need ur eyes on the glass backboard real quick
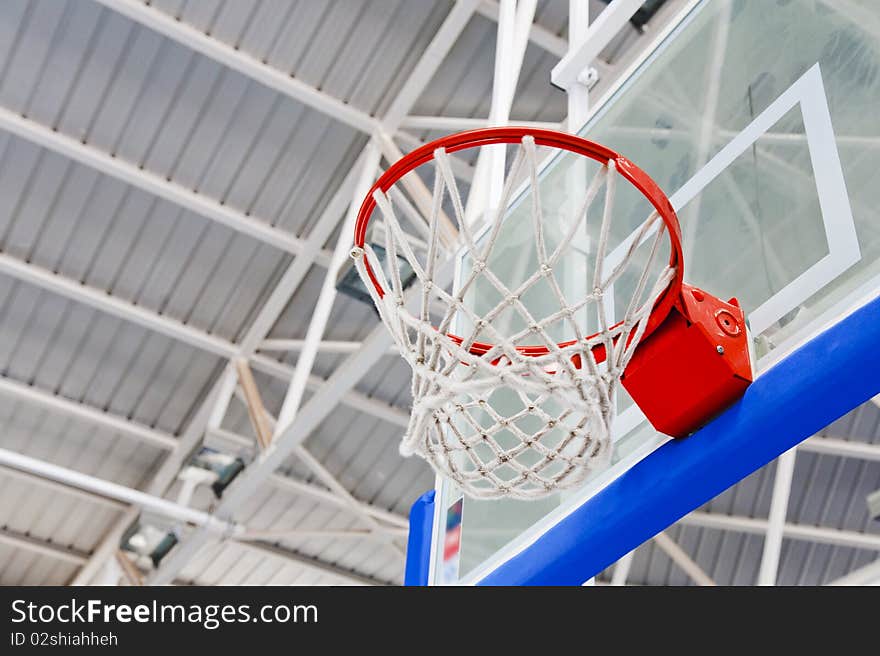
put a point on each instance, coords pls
(759, 121)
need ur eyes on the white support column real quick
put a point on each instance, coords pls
(321, 312)
(678, 555)
(776, 522)
(577, 96)
(228, 381)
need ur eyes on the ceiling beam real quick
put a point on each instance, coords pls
(143, 501)
(867, 575)
(165, 325)
(151, 183)
(460, 168)
(458, 124)
(313, 564)
(277, 535)
(384, 533)
(539, 35)
(326, 346)
(134, 430)
(756, 526)
(678, 555)
(59, 404)
(66, 490)
(836, 446)
(429, 61)
(233, 58)
(113, 490)
(42, 547)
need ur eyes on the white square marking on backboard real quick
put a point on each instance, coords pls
(840, 231)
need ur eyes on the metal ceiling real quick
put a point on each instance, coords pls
(166, 171)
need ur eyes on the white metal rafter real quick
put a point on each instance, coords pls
(376, 529)
(155, 437)
(457, 124)
(220, 529)
(233, 58)
(867, 575)
(680, 557)
(156, 185)
(809, 533)
(122, 493)
(165, 325)
(325, 346)
(42, 547)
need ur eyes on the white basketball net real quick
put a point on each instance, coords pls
(560, 427)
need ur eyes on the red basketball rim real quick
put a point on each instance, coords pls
(553, 139)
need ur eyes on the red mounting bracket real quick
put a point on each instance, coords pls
(693, 366)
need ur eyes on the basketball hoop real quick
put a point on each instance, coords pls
(560, 395)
